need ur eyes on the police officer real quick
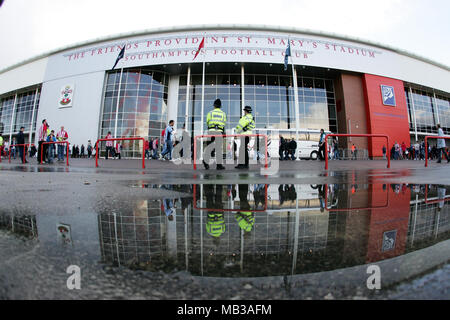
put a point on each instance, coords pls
(216, 121)
(245, 126)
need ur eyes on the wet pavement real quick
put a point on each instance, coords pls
(169, 232)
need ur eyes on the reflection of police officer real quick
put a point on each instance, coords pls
(215, 223)
(245, 218)
(245, 126)
(216, 121)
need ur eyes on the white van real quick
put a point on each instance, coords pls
(307, 141)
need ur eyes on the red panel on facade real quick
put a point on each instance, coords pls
(388, 227)
(385, 119)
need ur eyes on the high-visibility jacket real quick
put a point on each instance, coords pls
(1, 141)
(246, 124)
(62, 135)
(215, 224)
(246, 220)
(216, 120)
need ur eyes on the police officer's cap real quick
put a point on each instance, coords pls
(248, 109)
(217, 103)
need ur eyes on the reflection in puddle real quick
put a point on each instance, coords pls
(255, 230)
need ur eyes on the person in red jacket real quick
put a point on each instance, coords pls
(403, 150)
(147, 147)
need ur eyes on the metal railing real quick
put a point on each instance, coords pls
(355, 208)
(120, 139)
(356, 135)
(426, 146)
(25, 147)
(58, 142)
(229, 210)
(230, 135)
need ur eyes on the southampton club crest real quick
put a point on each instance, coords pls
(66, 96)
(388, 95)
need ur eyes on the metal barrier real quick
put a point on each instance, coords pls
(229, 135)
(358, 208)
(121, 139)
(53, 142)
(228, 210)
(357, 135)
(426, 146)
(24, 152)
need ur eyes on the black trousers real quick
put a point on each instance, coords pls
(108, 149)
(22, 153)
(322, 152)
(441, 151)
(42, 149)
(244, 144)
(217, 155)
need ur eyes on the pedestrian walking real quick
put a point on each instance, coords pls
(42, 137)
(13, 147)
(118, 150)
(441, 145)
(147, 149)
(168, 139)
(109, 145)
(292, 149)
(155, 145)
(22, 149)
(322, 145)
(89, 149)
(1, 146)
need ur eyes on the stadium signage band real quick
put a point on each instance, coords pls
(243, 46)
(215, 45)
(220, 46)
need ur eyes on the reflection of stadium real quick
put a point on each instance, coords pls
(290, 238)
(24, 225)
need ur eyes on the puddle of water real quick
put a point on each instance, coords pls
(247, 230)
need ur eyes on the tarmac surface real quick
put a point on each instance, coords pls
(162, 260)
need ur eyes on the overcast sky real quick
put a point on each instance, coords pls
(31, 27)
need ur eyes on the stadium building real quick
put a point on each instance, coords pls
(334, 82)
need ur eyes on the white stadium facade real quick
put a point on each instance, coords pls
(340, 84)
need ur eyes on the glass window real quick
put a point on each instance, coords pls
(145, 98)
(272, 99)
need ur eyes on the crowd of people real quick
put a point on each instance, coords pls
(287, 149)
(161, 148)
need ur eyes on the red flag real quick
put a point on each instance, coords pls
(202, 45)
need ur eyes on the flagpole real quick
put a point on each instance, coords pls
(118, 98)
(203, 97)
(297, 116)
(117, 104)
